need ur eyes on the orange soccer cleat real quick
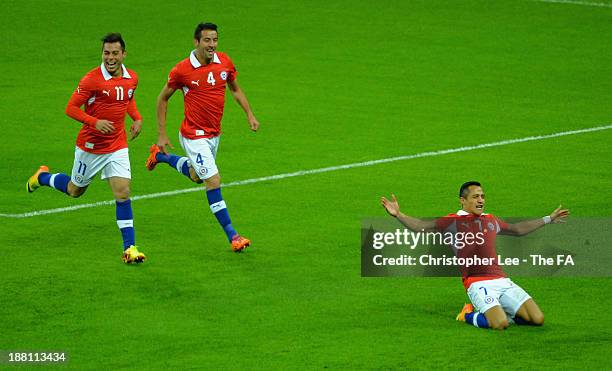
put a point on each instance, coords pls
(152, 160)
(467, 308)
(32, 184)
(240, 243)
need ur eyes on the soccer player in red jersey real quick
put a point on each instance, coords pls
(107, 92)
(202, 77)
(496, 300)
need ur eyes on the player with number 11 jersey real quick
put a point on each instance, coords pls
(107, 92)
(105, 98)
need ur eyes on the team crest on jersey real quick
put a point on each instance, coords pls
(224, 75)
(491, 226)
(130, 92)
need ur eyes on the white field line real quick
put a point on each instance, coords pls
(576, 2)
(317, 171)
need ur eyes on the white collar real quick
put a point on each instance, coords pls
(464, 213)
(107, 76)
(196, 63)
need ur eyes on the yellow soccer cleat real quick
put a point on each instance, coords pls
(132, 255)
(240, 243)
(32, 184)
(468, 308)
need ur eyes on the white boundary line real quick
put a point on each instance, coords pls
(576, 2)
(317, 171)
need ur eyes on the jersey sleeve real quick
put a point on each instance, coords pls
(174, 79)
(444, 222)
(84, 91)
(231, 73)
(133, 111)
(502, 225)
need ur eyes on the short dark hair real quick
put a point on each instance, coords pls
(113, 37)
(463, 191)
(204, 26)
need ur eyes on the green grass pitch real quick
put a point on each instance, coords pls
(331, 83)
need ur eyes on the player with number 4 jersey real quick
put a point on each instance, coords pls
(107, 92)
(203, 78)
(203, 89)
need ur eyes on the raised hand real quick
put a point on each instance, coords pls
(391, 206)
(559, 215)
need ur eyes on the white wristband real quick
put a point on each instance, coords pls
(547, 219)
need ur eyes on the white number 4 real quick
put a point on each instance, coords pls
(211, 79)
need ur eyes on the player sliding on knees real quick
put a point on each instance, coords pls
(496, 301)
(107, 92)
(202, 77)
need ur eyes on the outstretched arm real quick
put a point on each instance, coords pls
(414, 224)
(240, 97)
(528, 226)
(162, 108)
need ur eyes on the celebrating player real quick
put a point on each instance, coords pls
(107, 93)
(202, 77)
(496, 300)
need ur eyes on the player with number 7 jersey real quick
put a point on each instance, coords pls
(496, 301)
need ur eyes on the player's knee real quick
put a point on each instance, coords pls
(537, 319)
(196, 179)
(500, 324)
(74, 191)
(194, 176)
(122, 194)
(75, 194)
(213, 182)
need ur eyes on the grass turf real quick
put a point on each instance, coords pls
(331, 83)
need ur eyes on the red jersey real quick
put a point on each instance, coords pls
(105, 98)
(204, 93)
(489, 226)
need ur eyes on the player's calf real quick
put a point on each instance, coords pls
(180, 164)
(59, 181)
